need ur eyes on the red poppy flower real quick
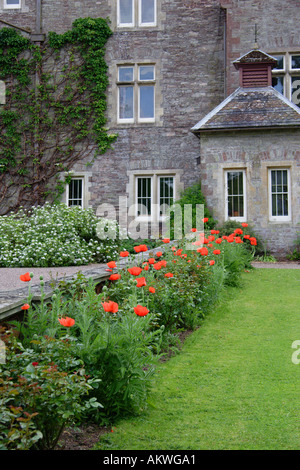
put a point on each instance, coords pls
(66, 321)
(205, 219)
(141, 311)
(244, 224)
(238, 231)
(211, 238)
(114, 277)
(152, 290)
(140, 281)
(219, 240)
(159, 254)
(216, 252)
(111, 264)
(178, 252)
(193, 230)
(135, 271)
(25, 277)
(163, 262)
(151, 260)
(35, 364)
(253, 241)
(166, 240)
(212, 262)
(247, 237)
(203, 251)
(238, 240)
(146, 267)
(25, 307)
(110, 306)
(169, 275)
(124, 254)
(157, 266)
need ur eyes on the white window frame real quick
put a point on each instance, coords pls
(136, 16)
(125, 25)
(155, 196)
(82, 205)
(287, 73)
(12, 7)
(153, 23)
(159, 177)
(235, 170)
(280, 218)
(150, 216)
(137, 83)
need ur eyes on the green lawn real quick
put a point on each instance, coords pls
(234, 385)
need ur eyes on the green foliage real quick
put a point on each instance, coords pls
(295, 253)
(55, 109)
(191, 196)
(229, 226)
(117, 349)
(38, 399)
(54, 235)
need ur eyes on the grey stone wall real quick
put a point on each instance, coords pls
(277, 29)
(255, 152)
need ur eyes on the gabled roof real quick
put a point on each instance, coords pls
(251, 108)
(255, 56)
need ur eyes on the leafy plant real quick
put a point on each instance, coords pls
(39, 397)
(54, 235)
(50, 119)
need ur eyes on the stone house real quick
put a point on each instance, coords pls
(170, 66)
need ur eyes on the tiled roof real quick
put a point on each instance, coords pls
(253, 108)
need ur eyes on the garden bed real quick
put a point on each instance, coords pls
(89, 357)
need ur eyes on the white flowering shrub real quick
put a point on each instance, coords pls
(56, 235)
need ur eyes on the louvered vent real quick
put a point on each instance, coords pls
(255, 76)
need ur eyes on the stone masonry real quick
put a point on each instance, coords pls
(192, 46)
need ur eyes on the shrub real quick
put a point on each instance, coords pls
(231, 225)
(295, 253)
(115, 337)
(55, 235)
(42, 391)
(191, 196)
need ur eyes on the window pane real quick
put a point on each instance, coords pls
(296, 90)
(125, 74)
(280, 62)
(125, 12)
(235, 191)
(75, 193)
(166, 194)
(144, 196)
(295, 61)
(126, 102)
(146, 102)
(146, 72)
(147, 11)
(277, 83)
(279, 189)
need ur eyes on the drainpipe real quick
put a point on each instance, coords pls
(37, 38)
(225, 49)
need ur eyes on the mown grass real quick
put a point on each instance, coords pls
(233, 385)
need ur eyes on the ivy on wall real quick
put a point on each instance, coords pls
(54, 115)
